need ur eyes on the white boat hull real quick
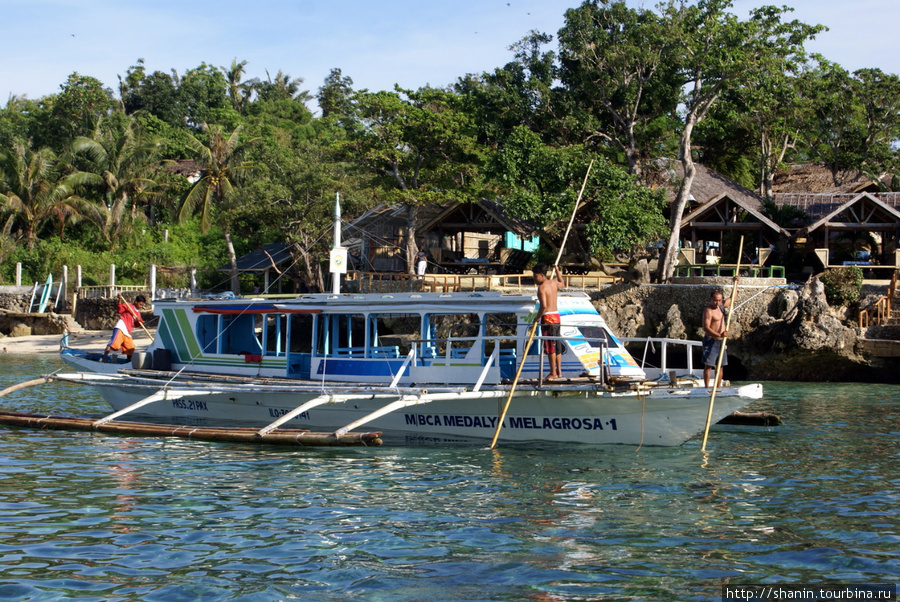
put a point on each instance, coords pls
(90, 362)
(660, 416)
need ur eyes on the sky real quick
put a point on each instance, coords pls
(377, 44)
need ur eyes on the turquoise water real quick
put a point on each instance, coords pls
(95, 517)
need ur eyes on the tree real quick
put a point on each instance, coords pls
(23, 119)
(123, 163)
(715, 52)
(282, 87)
(223, 172)
(880, 94)
(419, 147)
(335, 95)
(616, 67)
(238, 92)
(519, 93)
(35, 192)
(848, 122)
(540, 183)
(155, 94)
(203, 94)
(292, 197)
(78, 108)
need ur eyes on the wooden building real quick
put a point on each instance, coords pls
(850, 222)
(456, 235)
(719, 213)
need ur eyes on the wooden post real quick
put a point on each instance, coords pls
(65, 289)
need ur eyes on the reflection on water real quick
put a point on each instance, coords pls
(93, 517)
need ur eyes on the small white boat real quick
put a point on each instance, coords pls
(415, 366)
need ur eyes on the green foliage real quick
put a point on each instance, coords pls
(541, 184)
(850, 122)
(185, 247)
(623, 214)
(627, 84)
(842, 285)
(76, 111)
(620, 69)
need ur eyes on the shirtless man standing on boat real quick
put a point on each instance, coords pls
(714, 335)
(548, 315)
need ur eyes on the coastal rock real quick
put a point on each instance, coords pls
(20, 330)
(639, 273)
(776, 332)
(672, 326)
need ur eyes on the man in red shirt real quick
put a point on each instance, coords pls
(121, 337)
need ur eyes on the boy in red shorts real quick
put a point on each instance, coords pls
(121, 337)
(548, 315)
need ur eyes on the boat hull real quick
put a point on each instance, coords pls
(90, 361)
(660, 416)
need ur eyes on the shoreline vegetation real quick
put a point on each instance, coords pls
(193, 169)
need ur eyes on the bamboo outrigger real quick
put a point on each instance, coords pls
(107, 424)
(235, 435)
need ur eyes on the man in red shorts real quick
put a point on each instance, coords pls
(121, 336)
(548, 315)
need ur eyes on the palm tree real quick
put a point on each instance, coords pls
(123, 164)
(239, 92)
(223, 170)
(35, 191)
(282, 87)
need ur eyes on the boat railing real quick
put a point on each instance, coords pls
(498, 349)
(650, 344)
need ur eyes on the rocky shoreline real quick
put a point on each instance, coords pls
(778, 332)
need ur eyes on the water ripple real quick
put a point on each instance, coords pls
(91, 517)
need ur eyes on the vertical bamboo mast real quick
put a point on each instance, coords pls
(512, 388)
(717, 376)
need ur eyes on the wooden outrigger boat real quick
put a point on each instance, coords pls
(429, 367)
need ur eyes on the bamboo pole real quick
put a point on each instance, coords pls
(28, 383)
(717, 376)
(135, 315)
(512, 388)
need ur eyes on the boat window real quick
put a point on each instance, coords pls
(276, 334)
(502, 328)
(391, 335)
(460, 331)
(342, 335)
(241, 334)
(208, 332)
(597, 335)
(301, 327)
